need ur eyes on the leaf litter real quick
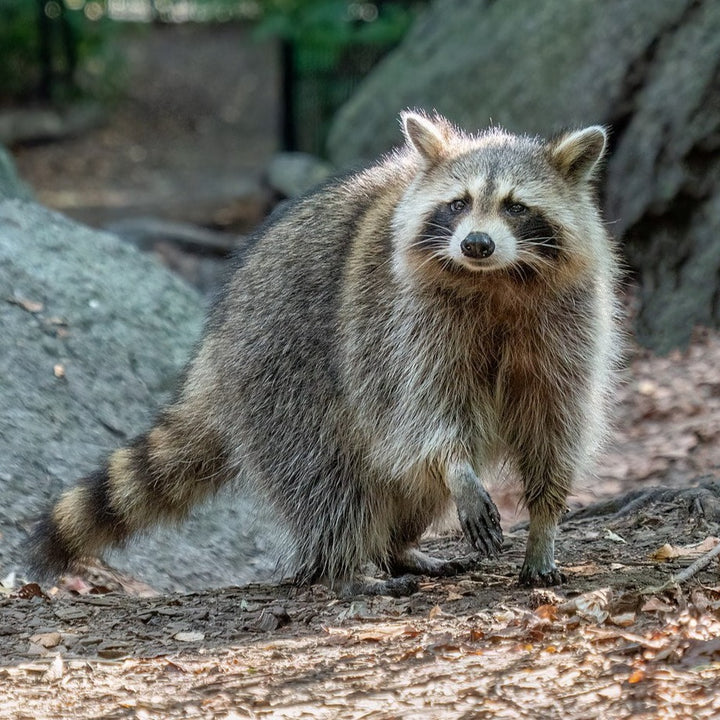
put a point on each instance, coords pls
(633, 633)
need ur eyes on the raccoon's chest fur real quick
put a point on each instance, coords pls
(441, 372)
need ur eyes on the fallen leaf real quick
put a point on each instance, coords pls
(588, 569)
(189, 636)
(32, 306)
(623, 620)
(28, 591)
(636, 676)
(56, 669)
(669, 552)
(655, 604)
(435, 611)
(590, 606)
(47, 640)
(386, 632)
(610, 535)
(547, 612)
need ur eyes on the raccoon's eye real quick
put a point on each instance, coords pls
(458, 205)
(515, 208)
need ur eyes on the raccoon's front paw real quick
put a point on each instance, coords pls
(480, 521)
(533, 577)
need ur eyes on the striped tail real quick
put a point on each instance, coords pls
(159, 477)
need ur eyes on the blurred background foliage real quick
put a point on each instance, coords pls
(328, 47)
(55, 50)
(61, 50)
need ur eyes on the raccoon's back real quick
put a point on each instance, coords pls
(272, 343)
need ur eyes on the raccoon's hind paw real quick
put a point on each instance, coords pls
(416, 562)
(532, 577)
(394, 587)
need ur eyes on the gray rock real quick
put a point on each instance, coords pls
(527, 66)
(649, 70)
(19, 125)
(293, 173)
(94, 334)
(11, 186)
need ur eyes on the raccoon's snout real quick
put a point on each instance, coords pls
(477, 245)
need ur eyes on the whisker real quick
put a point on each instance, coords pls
(444, 228)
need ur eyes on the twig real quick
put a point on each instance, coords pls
(700, 564)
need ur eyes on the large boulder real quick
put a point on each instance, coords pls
(94, 335)
(650, 70)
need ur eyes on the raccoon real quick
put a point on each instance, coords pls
(389, 337)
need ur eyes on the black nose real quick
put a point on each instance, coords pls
(477, 245)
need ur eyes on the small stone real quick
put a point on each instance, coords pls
(47, 640)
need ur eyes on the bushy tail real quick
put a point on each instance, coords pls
(159, 477)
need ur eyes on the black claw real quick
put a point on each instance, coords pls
(529, 577)
(482, 528)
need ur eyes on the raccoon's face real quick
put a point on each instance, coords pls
(497, 202)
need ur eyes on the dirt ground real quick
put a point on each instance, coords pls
(618, 640)
(605, 644)
(626, 636)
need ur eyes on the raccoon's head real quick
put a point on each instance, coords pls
(497, 203)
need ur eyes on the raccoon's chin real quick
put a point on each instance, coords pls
(483, 266)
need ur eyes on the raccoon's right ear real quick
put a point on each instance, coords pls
(427, 137)
(577, 154)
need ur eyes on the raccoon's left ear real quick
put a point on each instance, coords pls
(427, 136)
(576, 154)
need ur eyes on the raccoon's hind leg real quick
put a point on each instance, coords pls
(160, 476)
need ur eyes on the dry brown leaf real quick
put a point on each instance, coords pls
(591, 606)
(588, 569)
(669, 552)
(47, 640)
(636, 676)
(623, 619)
(32, 306)
(28, 591)
(654, 604)
(476, 634)
(435, 611)
(547, 612)
(378, 633)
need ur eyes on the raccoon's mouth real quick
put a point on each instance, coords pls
(478, 253)
(481, 265)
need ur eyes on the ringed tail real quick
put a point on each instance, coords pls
(159, 477)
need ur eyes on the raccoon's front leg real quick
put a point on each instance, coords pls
(539, 569)
(479, 517)
(546, 489)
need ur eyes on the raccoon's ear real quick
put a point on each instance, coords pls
(576, 154)
(429, 138)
